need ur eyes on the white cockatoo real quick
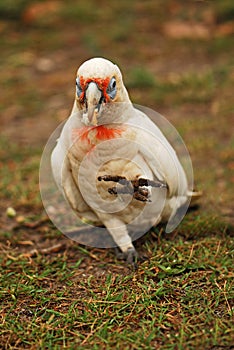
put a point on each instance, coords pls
(112, 163)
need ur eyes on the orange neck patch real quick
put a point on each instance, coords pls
(99, 133)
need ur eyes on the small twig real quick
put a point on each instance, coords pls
(54, 249)
(191, 253)
(218, 248)
(34, 224)
(132, 309)
(225, 294)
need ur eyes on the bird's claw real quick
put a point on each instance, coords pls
(137, 187)
(130, 256)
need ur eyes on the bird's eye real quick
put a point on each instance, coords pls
(111, 89)
(78, 87)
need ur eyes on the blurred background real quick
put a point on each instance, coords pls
(176, 57)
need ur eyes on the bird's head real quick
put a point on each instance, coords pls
(99, 85)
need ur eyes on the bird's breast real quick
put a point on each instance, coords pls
(85, 139)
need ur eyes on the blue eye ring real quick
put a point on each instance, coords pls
(112, 89)
(79, 89)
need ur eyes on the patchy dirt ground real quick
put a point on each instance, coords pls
(177, 61)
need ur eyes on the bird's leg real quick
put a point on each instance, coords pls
(136, 187)
(118, 231)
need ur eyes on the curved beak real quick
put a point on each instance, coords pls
(93, 98)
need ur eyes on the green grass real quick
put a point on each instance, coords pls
(75, 297)
(183, 88)
(19, 174)
(182, 297)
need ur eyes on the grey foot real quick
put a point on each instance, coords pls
(130, 256)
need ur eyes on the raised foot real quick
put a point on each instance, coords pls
(137, 187)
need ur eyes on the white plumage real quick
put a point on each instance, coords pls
(106, 136)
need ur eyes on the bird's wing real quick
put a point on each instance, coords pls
(159, 154)
(165, 165)
(61, 164)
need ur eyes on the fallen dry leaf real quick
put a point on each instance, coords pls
(190, 30)
(224, 29)
(37, 11)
